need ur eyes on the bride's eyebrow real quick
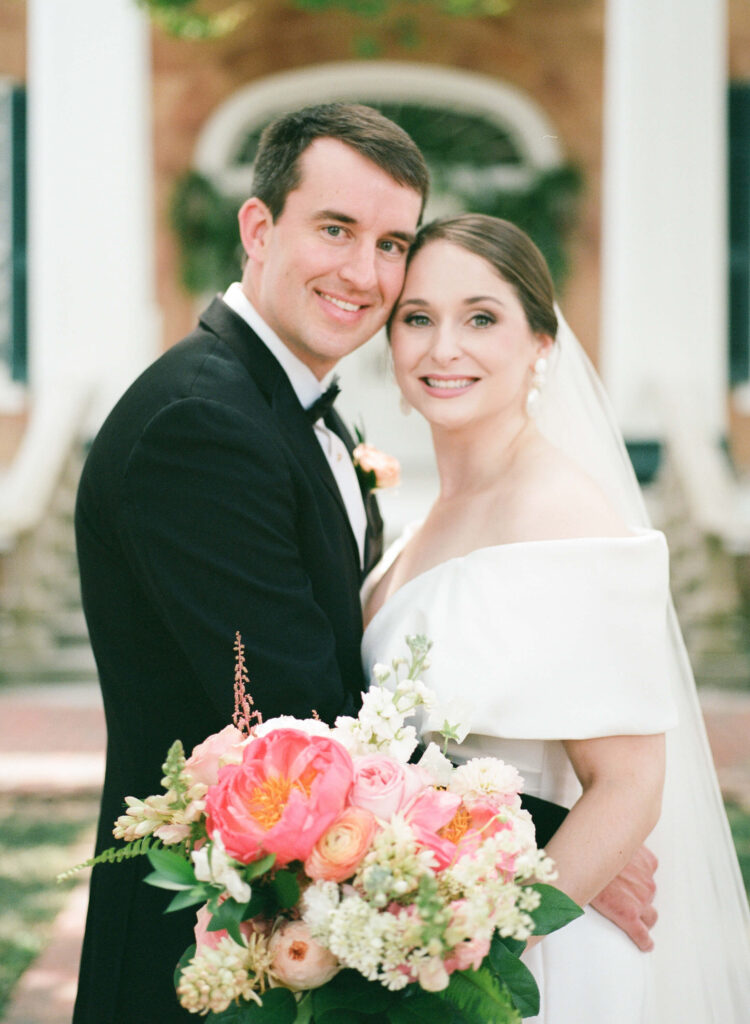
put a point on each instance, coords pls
(413, 302)
(483, 298)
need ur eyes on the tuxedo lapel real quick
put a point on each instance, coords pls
(274, 384)
(374, 534)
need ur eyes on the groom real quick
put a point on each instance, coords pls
(214, 500)
(219, 496)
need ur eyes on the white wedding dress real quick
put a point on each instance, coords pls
(544, 641)
(565, 639)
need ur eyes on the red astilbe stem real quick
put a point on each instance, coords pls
(245, 717)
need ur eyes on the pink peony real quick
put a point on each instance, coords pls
(337, 854)
(384, 785)
(452, 834)
(288, 790)
(299, 962)
(204, 762)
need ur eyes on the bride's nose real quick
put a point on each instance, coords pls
(445, 344)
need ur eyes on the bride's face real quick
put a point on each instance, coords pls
(462, 346)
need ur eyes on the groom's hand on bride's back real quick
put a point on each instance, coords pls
(628, 900)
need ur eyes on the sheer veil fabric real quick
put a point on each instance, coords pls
(701, 963)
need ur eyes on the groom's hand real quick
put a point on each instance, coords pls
(628, 899)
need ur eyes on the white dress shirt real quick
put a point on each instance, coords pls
(308, 388)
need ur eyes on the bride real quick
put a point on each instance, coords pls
(546, 594)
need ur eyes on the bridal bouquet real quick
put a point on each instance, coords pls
(338, 882)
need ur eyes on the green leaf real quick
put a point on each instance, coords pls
(227, 917)
(480, 998)
(515, 946)
(188, 898)
(517, 978)
(424, 1006)
(349, 991)
(184, 960)
(304, 1010)
(286, 888)
(259, 867)
(170, 867)
(555, 910)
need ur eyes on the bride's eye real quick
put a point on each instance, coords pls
(482, 320)
(417, 320)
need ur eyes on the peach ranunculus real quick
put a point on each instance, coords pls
(207, 757)
(384, 785)
(385, 470)
(289, 788)
(339, 851)
(299, 962)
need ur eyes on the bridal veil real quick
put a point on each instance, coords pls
(701, 958)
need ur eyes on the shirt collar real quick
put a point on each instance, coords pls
(306, 385)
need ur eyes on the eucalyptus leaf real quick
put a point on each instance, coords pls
(184, 960)
(555, 910)
(170, 867)
(286, 888)
(188, 898)
(517, 978)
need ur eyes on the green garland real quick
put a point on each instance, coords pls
(205, 222)
(383, 20)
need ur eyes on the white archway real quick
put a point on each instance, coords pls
(370, 398)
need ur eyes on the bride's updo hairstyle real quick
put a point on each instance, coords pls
(511, 254)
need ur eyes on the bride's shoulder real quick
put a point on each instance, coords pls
(561, 501)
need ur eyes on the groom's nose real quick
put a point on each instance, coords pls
(359, 267)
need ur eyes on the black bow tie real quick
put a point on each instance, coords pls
(323, 405)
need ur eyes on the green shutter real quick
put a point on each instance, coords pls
(739, 232)
(13, 294)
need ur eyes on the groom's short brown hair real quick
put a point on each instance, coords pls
(366, 130)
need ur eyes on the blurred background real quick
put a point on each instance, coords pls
(616, 132)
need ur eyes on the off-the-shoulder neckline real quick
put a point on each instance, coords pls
(638, 534)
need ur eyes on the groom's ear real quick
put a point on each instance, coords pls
(255, 222)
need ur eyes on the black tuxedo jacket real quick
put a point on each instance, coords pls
(206, 506)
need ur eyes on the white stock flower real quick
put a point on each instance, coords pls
(452, 719)
(212, 864)
(318, 902)
(437, 765)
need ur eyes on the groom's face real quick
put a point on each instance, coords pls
(326, 274)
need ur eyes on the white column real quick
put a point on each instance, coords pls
(664, 221)
(91, 277)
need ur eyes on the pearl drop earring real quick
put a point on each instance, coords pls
(537, 383)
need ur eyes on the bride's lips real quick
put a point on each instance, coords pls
(340, 307)
(447, 385)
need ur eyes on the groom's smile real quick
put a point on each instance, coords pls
(326, 273)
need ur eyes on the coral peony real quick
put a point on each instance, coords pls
(289, 788)
(299, 962)
(339, 851)
(450, 827)
(207, 757)
(384, 785)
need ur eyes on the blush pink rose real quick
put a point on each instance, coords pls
(299, 962)
(339, 851)
(203, 763)
(288, 790)
(467, 954)
(384, 786)
(371, 460)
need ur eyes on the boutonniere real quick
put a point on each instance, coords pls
(375, 469)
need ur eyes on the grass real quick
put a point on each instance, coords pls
(739, 822)
(39, 837)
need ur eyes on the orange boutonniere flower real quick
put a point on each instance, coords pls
(375, 468)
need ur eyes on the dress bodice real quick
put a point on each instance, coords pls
(546, 641)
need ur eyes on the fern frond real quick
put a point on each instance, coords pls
(114, 855)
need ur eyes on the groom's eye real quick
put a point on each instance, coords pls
(388, 245)
(333, 230)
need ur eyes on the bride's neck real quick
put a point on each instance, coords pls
(476, 457)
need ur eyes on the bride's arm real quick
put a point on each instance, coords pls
(622, 779)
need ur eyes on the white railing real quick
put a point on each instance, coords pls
(26, 488)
